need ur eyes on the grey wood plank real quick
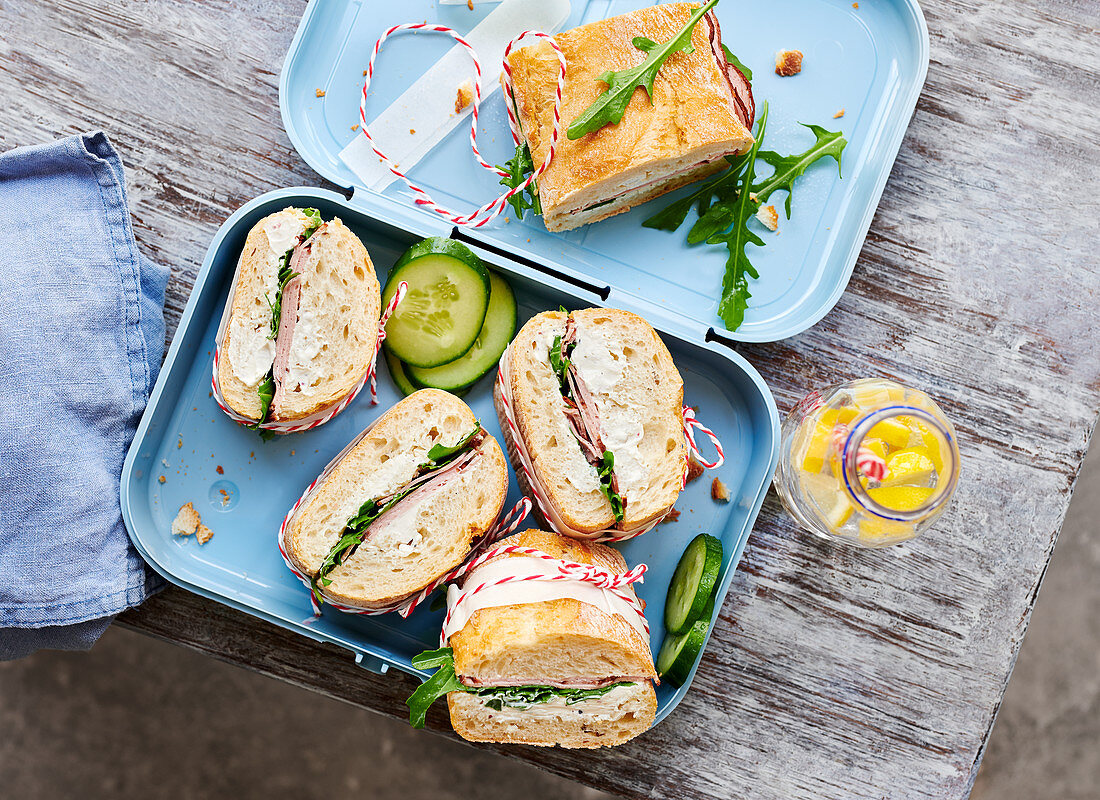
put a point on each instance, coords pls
(832, 673)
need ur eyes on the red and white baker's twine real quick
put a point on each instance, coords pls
(561, 570)
(503, 526)
(690, 425)
(314, 420)
(491, 209)
(867, 462)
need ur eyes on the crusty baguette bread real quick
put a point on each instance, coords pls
(614, 718)
(649, 393)
(246, 351)
(335, 336)
(549, 642)
(678, 136)
(536, 643)
(418, 540)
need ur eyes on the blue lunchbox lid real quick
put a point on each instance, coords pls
(867, 62)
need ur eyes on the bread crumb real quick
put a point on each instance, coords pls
(319, 92)
(788, 62)
(162, 479)
(364, 73)
(695, 469)
(855, 5)
(464, 96)
(203, 534)
(179, 444)
(470, 4)
(671, 516)
(412, 130)
(292, 452)
(768, 218)
(719, 492)
(355, 127)
(186, 521)
(838, 114)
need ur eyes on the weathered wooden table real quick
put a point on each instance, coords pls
(833, 673)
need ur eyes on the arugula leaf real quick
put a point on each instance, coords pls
(604, 470)
(266, 391)
(519, 167)
(441, 454)
(788, 168)
(559, 362)
(437, 686)
(672, 217)
(496, 697)
(731, 58)
(728, 203)
(609, 107)
(735, 283)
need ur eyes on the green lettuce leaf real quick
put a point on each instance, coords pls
(731, 58)
(518, 168)
(604, 470)
(496, 697)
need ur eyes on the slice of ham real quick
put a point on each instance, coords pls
(564, 683)
(288, 318)
(740, 88)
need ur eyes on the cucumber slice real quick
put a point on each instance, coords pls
(442, 314)
(680, 651)
(397, 372)
(693, 583)
(496, 332)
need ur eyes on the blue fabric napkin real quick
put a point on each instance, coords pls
(81, 341)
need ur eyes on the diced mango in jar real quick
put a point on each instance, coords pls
(892, 431)
(838, 416)
(876, 394)
(901, 498)
(929, 440)
(876, 446)
(911, 467)
(879, 531)
(831, 502)
(817, 448)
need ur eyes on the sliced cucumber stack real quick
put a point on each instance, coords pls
(689, 607)
(496, 332)
(400, 377)
(693, 583)
(441, 316)
(679, 652)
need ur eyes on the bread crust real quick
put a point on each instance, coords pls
(361, 460)
(492, 632)
(692, 115)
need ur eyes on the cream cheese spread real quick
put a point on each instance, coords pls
(606, 707)
(251, 352)
(282, 232)
(601, 367)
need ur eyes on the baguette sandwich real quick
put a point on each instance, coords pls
(700, 110)
(540, 662)
(405, 503)
(590, 403)
(301, 326)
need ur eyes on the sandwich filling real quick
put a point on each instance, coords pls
(443, 464)
(529, 698)
(583, 417)
(284, 306)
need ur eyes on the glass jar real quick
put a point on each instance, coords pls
(870, 462)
